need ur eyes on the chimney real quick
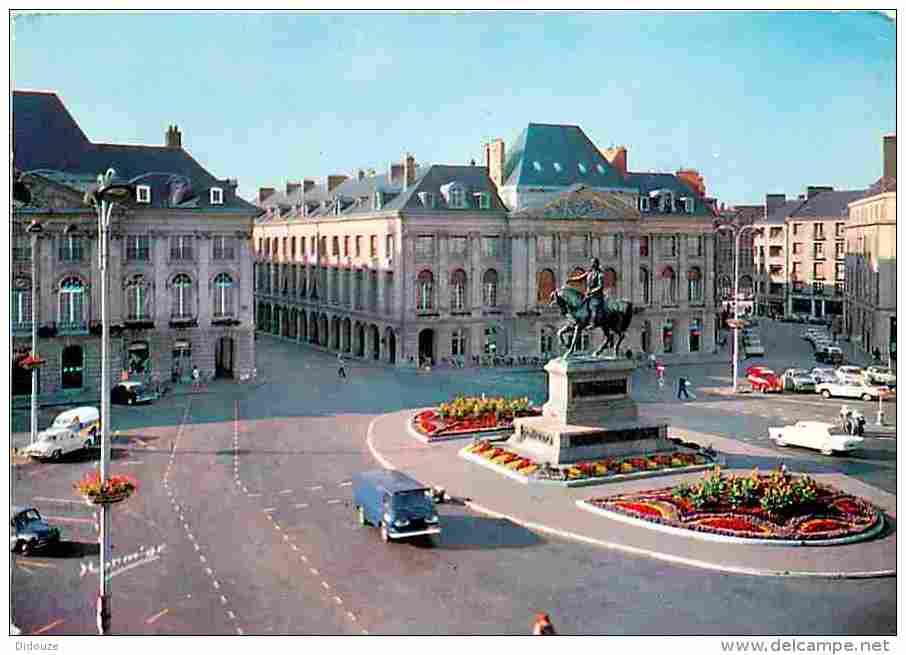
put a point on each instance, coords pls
(812, 191)
(408, 171)
(395, 174)
(494, 153)
(173, 138)
(618, 158)
(890, 156)
(292, 187)
(265, 192)
(772, 201)
(333, 181)
(307, 185)
(693, 178)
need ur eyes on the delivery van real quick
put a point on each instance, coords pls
(398, 505)
(72, 430)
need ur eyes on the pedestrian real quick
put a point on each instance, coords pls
(341, 366)
(651, 360)
(660, 371)
(196, 378)
(542, 627)
(876, 353)
(683, 389)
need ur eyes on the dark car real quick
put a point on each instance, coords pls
(130, 393)
(29, 532)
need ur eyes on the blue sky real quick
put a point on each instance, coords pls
(757, 102)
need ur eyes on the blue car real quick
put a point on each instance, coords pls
(397, 504)
(29, 532)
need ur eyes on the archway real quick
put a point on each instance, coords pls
(360, 340)
(426, 346)
(323, 330)
(375, 343)
(72, 364)
(347, 335)
(335, 333)
(313, 328)
(303, 326)
(223, 358)
(646, 337)
(390, 341)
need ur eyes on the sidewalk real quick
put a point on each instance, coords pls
(552, 510)
(92, 396)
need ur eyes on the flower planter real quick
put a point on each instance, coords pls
(107, 499)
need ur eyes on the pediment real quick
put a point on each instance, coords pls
(582, 202)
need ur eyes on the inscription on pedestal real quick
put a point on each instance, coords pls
(599, 388)
(614, 436)
(530, 433)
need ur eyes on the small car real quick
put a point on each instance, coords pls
(829, 354)
(763, 379)
(70, 431)
(850, 390)
(826, 437)
(881, 375)
(399, 505)
(798, 379)
(823, 374)
(130, 393)
(753, 348)
(29, 532)
(849, 373)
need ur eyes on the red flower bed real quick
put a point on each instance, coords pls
(431, 424)
(832, 514)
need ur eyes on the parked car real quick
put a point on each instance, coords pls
(881, 375)
(752, 347)
(399, 505)
(130, 393)
(29, 532)
(70, 431)
(850, 373)
(849, 390)
(823, 374)
(798, 379)
(829, 354)
(763, 379)
(826, 437)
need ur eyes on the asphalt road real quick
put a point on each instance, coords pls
(246, 527)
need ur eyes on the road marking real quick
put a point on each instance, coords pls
(334, 501)
(277, 526)
(252, 495)
(350, 615)
(315, 571)
(325, 585)
(346, 484)
(40, 565)
(138, 461)
(223, 600)
(239, 631)
(269, 509)
(285, 537)
(58, 500)
(303, 558)
(338, 600)
(47, 627)
(197, 547)
(191, 537)
(315, 488)
(285, 491)
(203, 559)
(208, 570)
(300, 505)
(294, 546)
(26, 571)
(68, 519)
(154, 618)
(231, 615)
(216, 584)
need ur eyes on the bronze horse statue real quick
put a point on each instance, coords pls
(614, 320)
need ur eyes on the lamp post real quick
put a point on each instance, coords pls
(736, 231)
(35, 230)
(104, 198)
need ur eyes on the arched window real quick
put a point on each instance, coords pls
(489, 288)
(458, 291)
(668, 286)
(72, 294)
(645, 284)
(223, 295)
(547, 284)
(695, 286)
(138, 299)
(182, 297)
(610, 281)
(579, 286)
(424, 291)
(20, 303)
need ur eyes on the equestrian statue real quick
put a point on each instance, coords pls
(592, 310)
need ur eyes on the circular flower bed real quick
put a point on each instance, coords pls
(464, 415)
(762, 506)
(592, 469)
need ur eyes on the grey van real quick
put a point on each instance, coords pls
(399, 505)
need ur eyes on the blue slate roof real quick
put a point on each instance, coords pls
(648, 182)
(547, 155)
(828, 204)
(46, 137)
(780, 213)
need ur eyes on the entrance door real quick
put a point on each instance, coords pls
(391, 344)
(72, 367)
(223, 358)
(426, 347)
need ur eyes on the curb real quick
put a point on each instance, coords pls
(632, 550)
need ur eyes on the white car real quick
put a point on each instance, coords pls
(881, 375)
(841, 389)
(826, 437)
(72, 430)
(849, 373)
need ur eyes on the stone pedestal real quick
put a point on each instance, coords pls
(589, 415)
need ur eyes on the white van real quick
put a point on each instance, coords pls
(72, 430)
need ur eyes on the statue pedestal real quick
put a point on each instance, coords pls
(589, 415)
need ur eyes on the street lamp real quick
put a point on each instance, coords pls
(104, 198)
(736, 231)
(35, 230)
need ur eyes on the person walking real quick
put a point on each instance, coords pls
(681, 388)
(196, 378)
(660, 371)
(542, 627)
(651, 360)
(341, 367)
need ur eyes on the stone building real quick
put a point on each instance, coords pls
(429, 263)
(725, 264)
(180, 264)
(870, 316)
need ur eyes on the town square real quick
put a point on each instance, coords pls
(538, 373)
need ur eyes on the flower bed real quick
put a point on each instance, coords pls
(117, 488)
(468, 415)
(775, 506)
(602, 468)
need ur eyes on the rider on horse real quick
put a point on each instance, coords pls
(595, 297)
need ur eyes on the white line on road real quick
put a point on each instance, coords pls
(251, 495)
(138, 461)
(334, 501)
(58, 500)
(350, 615)
(300, 505)
(197, 547)
(216, 584)
(223, 600)
(239, 631)
(208, 570)
(303, 558)
(346, 484)
(277, 526)
(325, 585)
(286, 537)
(315, 488)
(230, 614)
(203, 559)
(315, 571)
(338, 599)
(269, 509)
(285, 491)
(191, 537)
(294, 546)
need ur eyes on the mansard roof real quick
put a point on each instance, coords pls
(648, 183)
(581, 202)
(827, 204)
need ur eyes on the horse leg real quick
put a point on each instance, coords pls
(603, 345)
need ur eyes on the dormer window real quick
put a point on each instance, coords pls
(582, 168)
(557, 166)
(689, 204)
(537, 165)
(216, 196)
(378, 200)
(644, 204)
(454, 194)
(483, 200)
(600, 168)
(143, 194)
(427, 199)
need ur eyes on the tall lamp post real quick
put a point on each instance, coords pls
(736, 231)
(104, 198)
(35, 230)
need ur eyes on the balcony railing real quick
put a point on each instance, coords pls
(72, 327)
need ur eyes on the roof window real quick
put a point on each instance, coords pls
(427, 199)
(582, 168)
(557, 166)
(143, 194)
(537, 165)
(644, 204)
(483, 200)
(600, 168)
(689, 204)
(216, 196)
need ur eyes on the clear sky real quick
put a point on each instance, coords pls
(757, 102)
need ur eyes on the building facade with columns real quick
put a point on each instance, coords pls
(180, 260)
(427, 263)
